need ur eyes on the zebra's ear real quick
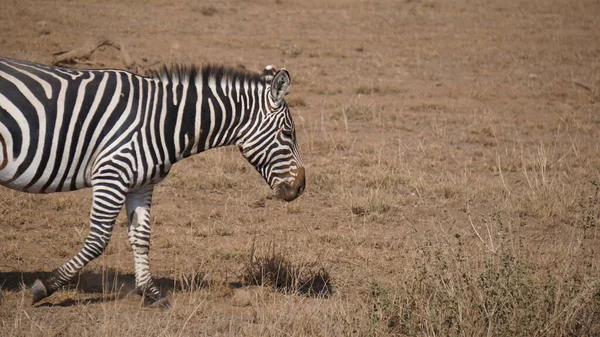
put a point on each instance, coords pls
(280, 84)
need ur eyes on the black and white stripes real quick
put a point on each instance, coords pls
(120, 133)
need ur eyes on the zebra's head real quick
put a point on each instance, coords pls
(271, 147)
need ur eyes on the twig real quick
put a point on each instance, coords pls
(60, 330)
(83, 53)
(502, 175)
(489, 247)
(581, 85)
(190, 317)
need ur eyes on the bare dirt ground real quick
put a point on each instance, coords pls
(453, 163)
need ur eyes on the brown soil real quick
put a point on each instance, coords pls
(465, 129)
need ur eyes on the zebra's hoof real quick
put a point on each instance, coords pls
(39, 291)
(164, 303)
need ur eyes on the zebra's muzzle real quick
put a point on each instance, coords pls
(291, 191)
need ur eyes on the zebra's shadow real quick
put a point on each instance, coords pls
(102, 286)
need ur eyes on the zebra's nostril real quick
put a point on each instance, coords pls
(300, 189)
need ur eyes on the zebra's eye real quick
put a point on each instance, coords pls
(286, 133)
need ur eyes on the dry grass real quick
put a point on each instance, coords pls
(452, 163)
(505, 289)
(291, 278)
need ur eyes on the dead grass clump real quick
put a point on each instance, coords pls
(291, 50)
(222, 231)
(367, 90)
(208, 10)
(360, 112)
(372, 205)
(376, 89)
(277, 272)
(450, 289)
(185, 281)
(371, 208)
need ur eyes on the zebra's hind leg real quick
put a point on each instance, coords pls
(138, 213)
(107, 201)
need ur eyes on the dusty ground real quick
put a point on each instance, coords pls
(453, 162)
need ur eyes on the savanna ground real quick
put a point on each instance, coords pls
(453, 162)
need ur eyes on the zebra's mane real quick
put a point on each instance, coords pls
(186, 72)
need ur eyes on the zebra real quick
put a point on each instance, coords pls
(119, 133)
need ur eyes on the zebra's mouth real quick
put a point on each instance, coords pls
(289, 191)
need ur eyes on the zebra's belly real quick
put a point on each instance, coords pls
(35, 169)
(3, 155)
(33, 182)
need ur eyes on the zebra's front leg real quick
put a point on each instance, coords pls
(107, 201)
(138, 213)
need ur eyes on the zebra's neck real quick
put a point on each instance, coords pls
(206, 112)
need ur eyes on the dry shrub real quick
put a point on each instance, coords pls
(504, 289)
(277, 272)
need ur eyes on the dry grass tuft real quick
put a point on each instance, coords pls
(500, 288)
(501, 293)
(208, 10)
(368, 90)
(277, 272)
